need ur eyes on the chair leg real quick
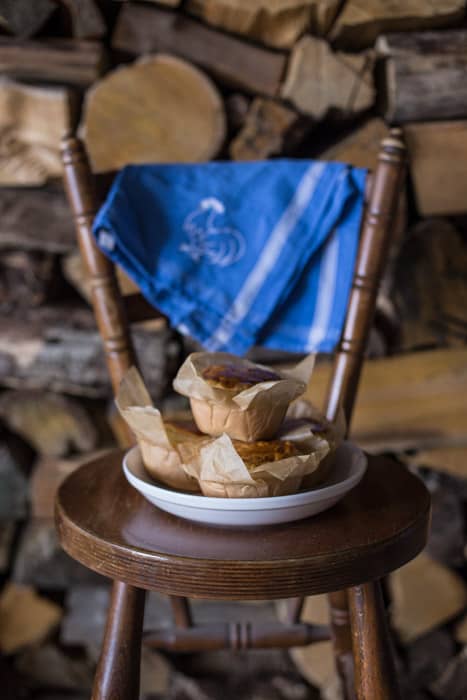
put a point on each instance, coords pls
(342, 641)
(117, 675)
(375, 673)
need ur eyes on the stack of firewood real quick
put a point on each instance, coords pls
(194, 80)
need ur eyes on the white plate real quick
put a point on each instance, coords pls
(349, 467)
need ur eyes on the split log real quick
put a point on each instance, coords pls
(438, 166)
(36, 219)
(318, 79)
(15, 463)
(270, 129)
(54, 425)
(236, 110)
(410, 401)
(55, 60)
(24, 18)
(424, 75)
(75, 273)
(429, 287)
(27, 279)
(361, 147)
(41, 562)
(86, 18)
(47, 475)
(143, 29)
(425, 595)
(59, 349)
(26, 618)
(278, 24)
(361, 21)
(449, 460)
(158, 109)
(48, 666)
(7, 534)
(32, 122)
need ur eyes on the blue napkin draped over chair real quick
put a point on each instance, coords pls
(237, 254)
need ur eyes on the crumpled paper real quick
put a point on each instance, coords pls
(222, 473)
(254, 413)
(304, 422)
(164, 446)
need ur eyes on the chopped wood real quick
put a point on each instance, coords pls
(361, 147)
(55, 60)
(32, 122)
(168, 3)
(424, 76)
(361, 21)
(47, 475)
(438, 166)
(410, 401)
(461, 631)
(316, 662)
(48, 666)
(27, 279)
(24, 18)
(236, 109)
(451, 460)
(41, 562)
(279, 23)
(54, 425)
(15, 463)
(425, 594)
(73, 270)
(59, 349)
(425, 660)
(142, 29)
(7, 533)
(270, 129)
(446, 541)
(452, 683)
(26, 618)
(429, 289)
(319, 79)
(86, 18)
(171, 112)
(36, 219)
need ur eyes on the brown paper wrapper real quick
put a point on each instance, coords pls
(164, 447)
(252, 414)
(304, 422)
(222, 473)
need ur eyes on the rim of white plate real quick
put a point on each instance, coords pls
(192, 500)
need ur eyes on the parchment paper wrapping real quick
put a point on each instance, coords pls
(164, 448)
(222, 473)
(253, 414)
(304, 419)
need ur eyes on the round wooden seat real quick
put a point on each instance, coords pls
(110, 528)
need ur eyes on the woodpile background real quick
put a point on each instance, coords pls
(194, 80)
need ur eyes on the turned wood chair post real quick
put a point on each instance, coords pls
(118, 670)
(373, 253)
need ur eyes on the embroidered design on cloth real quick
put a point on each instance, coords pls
(221, 245)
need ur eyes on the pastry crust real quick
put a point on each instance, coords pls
(236, 378)
(261, 452)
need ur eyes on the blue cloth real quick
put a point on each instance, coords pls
(237, 254)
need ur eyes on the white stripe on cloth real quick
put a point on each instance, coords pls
(268, 258)
(326, 290)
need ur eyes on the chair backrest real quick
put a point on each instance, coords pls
(114, 313)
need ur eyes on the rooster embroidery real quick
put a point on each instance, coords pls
(221, 245)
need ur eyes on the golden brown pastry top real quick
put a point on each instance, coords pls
(237, 378)
(256, 453)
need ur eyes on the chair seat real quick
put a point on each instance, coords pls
(107, 525)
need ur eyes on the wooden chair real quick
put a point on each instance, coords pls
(381, 525)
